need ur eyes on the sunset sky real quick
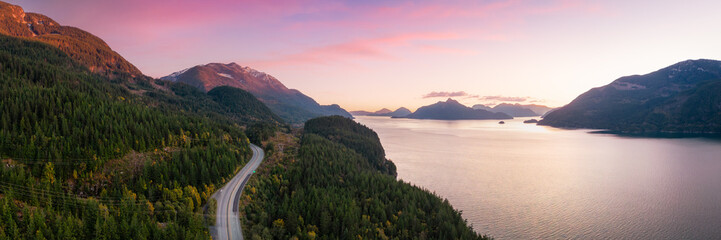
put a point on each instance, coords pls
(365, 55)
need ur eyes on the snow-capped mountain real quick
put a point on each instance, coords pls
(290, 104)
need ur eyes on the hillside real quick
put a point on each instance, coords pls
(330, 186)
(400, 112)
(482, 107)
(90, 155)
(453, 110)
(290, 104)
(683, 97)
(538, 109)
(80, 45)
(85, 156)
(360, 113)
(354, 136)
(516, 110)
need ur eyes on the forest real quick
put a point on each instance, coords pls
(330, 186)
(354, 136)
(90, 156)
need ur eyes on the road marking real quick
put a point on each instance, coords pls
(236, 191)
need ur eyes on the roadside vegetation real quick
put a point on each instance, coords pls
(318, 187)
(88, 157)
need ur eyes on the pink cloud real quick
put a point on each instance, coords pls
(401, 21)
(141, 21)
(276, 32)
(364, 48)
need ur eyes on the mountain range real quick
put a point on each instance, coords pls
(400, 112)
(92, 52)
(92, 150)
(290, 104)
(367, 113)
(683, 97)
(453, 110)
(89, 140)
(516, 110)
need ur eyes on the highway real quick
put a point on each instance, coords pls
(227, 220)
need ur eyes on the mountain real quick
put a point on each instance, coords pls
(290, 104)
(683, 97)
(538, 109)
(516, 110)
(482, 107)
(453, 110)
(549, 112)
(101, 144)
(242, 106)
(360, 113)
(367, 113)
(80, 45)
(90, 155)
(383, 111)
(89, 143)
(400, 112)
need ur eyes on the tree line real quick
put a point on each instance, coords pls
(325, 189)
(86, 156)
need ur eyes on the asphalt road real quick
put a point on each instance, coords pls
(227, 221)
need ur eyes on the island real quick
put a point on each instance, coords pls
(400, 112)
(453, 110)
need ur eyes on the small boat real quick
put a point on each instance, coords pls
(501, 122)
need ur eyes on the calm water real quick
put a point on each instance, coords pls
(522, 181)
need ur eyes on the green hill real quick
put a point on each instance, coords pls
(352, 135)
(290, 104)
(331, 186)
(84, 156)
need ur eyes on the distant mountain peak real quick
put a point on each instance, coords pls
(383, 111)
(693, 62)
(290, 104)
(450, 100)
(453, 110)
(174, 76)
(516, 109)
(400, 112)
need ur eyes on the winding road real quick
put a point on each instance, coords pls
(227, 220)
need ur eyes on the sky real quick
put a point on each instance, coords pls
(367, 55)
